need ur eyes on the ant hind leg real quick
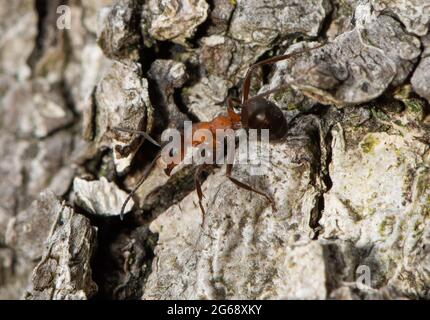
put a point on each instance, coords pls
(199, 191)
(248, 187)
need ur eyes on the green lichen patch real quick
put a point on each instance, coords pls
(414, 105)
(379, 114)
(369, 143)
(292, 106)
(386, 226)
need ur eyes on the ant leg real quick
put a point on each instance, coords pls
(201, 196)
(270, 91)
(230, 110)
(199, 191)
(266, 93)
(247, 187)
(142, 179)
(230, 102)
(247, 81)
(142, 133)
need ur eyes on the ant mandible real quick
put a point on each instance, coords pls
(256, 113)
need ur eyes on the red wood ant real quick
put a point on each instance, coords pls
(256, 113)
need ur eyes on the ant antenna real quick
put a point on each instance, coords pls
(142, 179)
(147, 170)
(142, 133)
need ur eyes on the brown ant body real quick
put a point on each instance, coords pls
(256, 113)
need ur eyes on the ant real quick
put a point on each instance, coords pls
(256, 113)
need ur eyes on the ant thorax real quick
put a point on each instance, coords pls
(195, 145)
(198, 145)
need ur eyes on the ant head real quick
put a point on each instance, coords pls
(260, 113)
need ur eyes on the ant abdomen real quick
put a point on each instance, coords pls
(259, 113)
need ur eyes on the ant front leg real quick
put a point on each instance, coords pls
(236, 118)
(230, 102)
(251, 69)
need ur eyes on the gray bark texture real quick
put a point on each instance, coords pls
(350, 180)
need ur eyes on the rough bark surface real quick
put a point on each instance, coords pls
(351, 179)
